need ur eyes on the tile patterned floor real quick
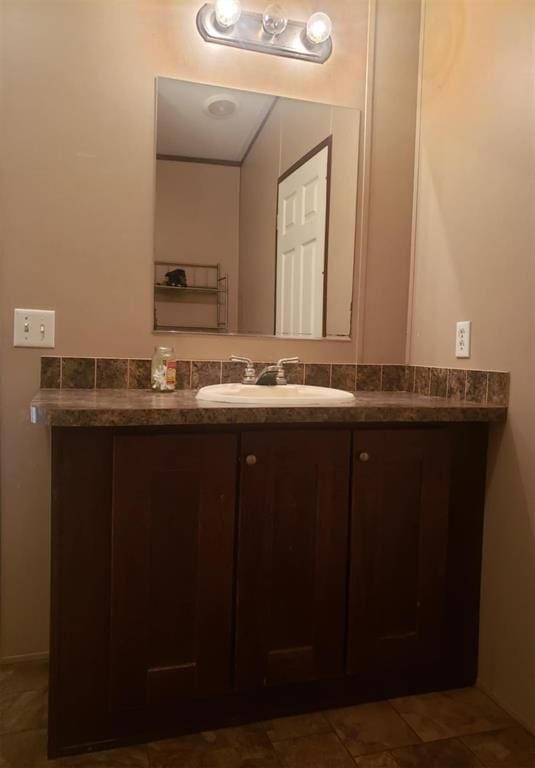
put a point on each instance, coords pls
(456, 729)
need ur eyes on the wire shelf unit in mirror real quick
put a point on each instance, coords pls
(190, 297)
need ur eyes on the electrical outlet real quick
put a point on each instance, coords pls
(462, 338)
(34, 328)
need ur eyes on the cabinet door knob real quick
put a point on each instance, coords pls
(364, 456)
(250, 459)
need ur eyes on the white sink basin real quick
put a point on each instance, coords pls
(289, 394)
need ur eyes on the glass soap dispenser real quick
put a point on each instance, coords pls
(163, 371)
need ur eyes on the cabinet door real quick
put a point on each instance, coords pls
(172, 567)
(294, 514)
(399, 540)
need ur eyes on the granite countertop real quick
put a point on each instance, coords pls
(134, 408)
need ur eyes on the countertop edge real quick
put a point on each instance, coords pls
(62, 415)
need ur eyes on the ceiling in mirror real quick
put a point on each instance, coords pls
(196, 121)
(255, 213)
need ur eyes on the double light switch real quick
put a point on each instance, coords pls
(34, 328)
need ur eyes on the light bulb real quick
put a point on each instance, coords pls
(274, 19)
(319, 28)
(227, 12)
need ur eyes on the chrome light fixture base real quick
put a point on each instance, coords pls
(249, 33)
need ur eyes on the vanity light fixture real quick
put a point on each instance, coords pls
(226, 23)
(274, 20)
(319, 28)
(227, 13)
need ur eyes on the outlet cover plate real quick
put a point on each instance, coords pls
(34, 328)
(462, 338)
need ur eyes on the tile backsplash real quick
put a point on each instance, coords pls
(490, 387)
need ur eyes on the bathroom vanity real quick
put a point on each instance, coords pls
(214, 564)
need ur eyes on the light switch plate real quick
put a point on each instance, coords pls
(462, 338)
(34, 328)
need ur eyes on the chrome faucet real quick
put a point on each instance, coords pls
(274, 374)
(269, 376)
(249, 375)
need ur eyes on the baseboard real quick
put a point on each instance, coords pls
(24, 657)
(510, 711)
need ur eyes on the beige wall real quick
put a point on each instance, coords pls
(342, 225)
(292, 129)
(196, 222)
(78, 176)
(474, 260)
(77, 212)
(384, 282)
(258, 205)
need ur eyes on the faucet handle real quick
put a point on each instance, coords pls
(249, 376)
(285, 360)
(281, 378)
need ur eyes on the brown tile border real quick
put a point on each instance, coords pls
(295, 373)
(459, 384)
(112, 373)
(344, 377)
(476, 386)
(456, 384)
(50, 372)
(183, 374)
(78, 372)
(498, 388)
(139, 374)
(369, 378)
(438, 385)
(205, 372)
(422, 380)
(318, 374)
(397, 378)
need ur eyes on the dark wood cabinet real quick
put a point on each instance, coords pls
(399, 548)
(171, 567)
(208, 576)
(292, 557)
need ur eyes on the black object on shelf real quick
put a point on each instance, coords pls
(177, 278)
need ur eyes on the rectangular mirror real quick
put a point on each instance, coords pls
(255, 214)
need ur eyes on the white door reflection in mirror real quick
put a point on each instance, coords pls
(301, 245)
